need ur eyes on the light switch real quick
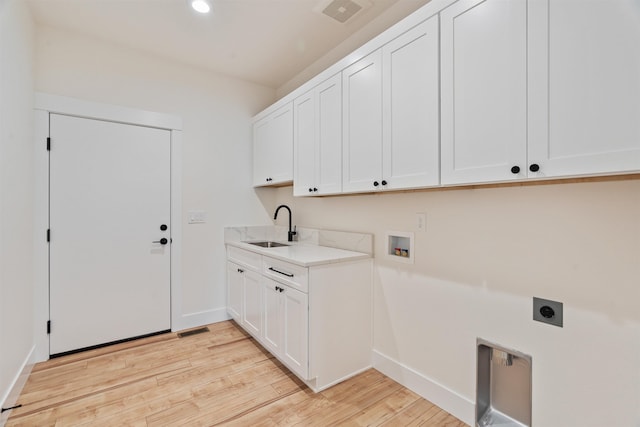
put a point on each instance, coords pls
(421, 221)
(197, 217)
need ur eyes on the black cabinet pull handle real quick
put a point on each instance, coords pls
(162, 241)
(384, 182)
(281, 290)
(315, 190)
(534, 167)
(375, 183)
(280, 272)
(240, 270)
(310, 190)
(515, 169)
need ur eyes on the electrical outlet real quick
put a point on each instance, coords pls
(421, 221)
(547, 311)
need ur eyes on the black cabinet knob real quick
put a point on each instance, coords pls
(315, 190)
(163, 227)
(384, 182)
(375, 183)
(534, 167)
(515, 169)
(310, 190)
(162, 241)
(240, 270)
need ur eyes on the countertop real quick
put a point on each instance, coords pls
(303, 254)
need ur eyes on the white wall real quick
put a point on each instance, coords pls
(486, 252)
(216, 113)
(16, 193)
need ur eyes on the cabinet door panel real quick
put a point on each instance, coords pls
(484, 90)
(329, 152)
(272, 316)
(411, 108)
(260, 151)
(234, 291)
(304, 144)
(273, 147)
(252, 317)
(281, 150)
(587, 53)
(362, 123)
(296, 331)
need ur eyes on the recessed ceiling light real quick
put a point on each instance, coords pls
(201, 6)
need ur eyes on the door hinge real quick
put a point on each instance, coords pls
(48, 327)
(48, 234)
(48, 144)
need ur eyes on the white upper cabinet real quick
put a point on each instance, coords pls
(273, 147)
(362, 124)
(318, 140)
(390, 118)
(411, 119)
(585, 86)
(484, 91)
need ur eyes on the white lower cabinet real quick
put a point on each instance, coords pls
(244, 297)
(316, 320)
(252, 298)
(235, 291)
(286, 319)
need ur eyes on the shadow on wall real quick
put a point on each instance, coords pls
(578, 243)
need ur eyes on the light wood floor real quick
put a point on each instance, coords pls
(214, 378)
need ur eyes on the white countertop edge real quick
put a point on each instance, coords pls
(341, 255)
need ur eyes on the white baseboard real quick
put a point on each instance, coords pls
(193, 320)
(13, 393)
(455, 404)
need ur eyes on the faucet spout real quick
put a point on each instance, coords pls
(291, 232)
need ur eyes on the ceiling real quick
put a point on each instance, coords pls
(263, 41)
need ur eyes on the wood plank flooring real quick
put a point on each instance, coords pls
(221, 377)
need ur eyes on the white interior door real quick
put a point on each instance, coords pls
(109, 199)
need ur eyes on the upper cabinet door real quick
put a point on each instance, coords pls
(411, 123)
(304, 144)
(273, 147)
(329, 125)
(362, 124)
(585, 86)
(484, 91)
(318, 140)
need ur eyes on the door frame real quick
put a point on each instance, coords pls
(45, 104)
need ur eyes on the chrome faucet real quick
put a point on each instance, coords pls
(290, 233)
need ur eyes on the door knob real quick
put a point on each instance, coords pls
(162, 241)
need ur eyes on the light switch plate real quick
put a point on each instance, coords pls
(547, 311)
(421, 221)
(197, 217)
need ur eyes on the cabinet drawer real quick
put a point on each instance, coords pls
(284, 272)
(247, 259)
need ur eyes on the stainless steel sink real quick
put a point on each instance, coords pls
(267, 244)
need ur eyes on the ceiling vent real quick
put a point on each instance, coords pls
(341, 10)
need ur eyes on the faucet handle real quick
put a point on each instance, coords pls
(292, 233)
